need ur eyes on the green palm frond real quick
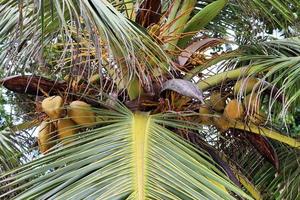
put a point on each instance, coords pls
(10, 151)
(276, 62)
(261, 17)
(135, 157)
(279, 62)
(30, 28)
(281, 184)
(273, 11)
(161, 146)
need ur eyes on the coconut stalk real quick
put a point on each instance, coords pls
(252, 128)
(247, 184)
(230, 168)
(267, 133)
(130, 9)
(228, 75)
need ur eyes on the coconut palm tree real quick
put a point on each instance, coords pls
(150, 99)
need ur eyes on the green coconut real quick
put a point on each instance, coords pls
(205, 114)
(252, 102)
(245, 86)
(217, 101)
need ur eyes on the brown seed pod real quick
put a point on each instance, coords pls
(45, 136)
(52, 106)
(245, 86)
(217, 101)
(221, 123)
(81, 113)
(205, 113)
(66, 128)
(234, 110)
(252, 102)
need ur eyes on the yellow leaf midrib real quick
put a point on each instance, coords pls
(140, 129)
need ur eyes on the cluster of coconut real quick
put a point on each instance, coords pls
(220, 112)
(62, 124)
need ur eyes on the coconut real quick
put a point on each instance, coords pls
(81, 113)
(245, 86)
(66, 128)
(205, 113)
(217, 101)
(234, 110)
(252, 102)
(52, 106)
(221, 123)
(45, 136)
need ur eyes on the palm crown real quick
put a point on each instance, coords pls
(150, 99)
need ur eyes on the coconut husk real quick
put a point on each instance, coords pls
(205, 114)
(221, 123)
(66, 128)
(52, 106)
(245, 86)
(217, 101)
(234, 110)
(46, 136)
(81, 113)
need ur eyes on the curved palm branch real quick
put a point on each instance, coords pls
(135, 157)
(283, 184)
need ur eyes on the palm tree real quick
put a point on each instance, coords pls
(182, 99)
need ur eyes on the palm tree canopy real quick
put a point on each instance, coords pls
(174, 99)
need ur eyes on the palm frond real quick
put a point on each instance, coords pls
(278, 61)
(10, 151)
(265, 19)
(135, 157)
(93, 25)
(281, 184)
